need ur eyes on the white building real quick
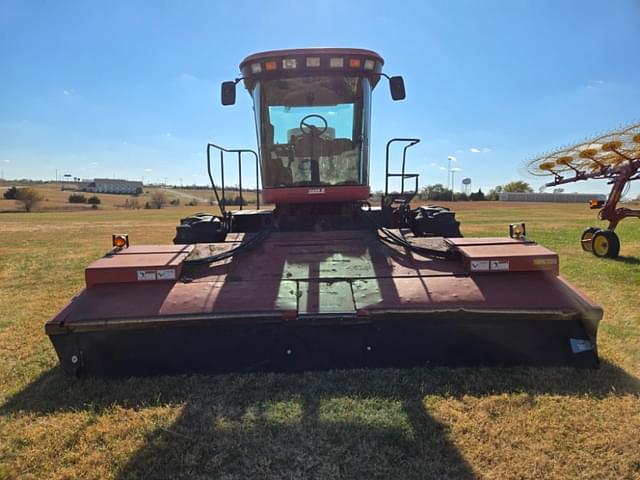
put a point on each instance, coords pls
(111, 185)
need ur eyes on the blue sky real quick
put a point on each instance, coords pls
(131, 88)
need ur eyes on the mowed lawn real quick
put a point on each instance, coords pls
(416, 423)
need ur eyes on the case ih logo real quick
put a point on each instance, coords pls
(315, 191)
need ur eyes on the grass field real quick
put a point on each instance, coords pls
(56, 200)
(417, 423)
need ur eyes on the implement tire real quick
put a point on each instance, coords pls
(606, 244)
(586, 240)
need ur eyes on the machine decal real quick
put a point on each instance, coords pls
(579, 345)
(501, 265)
(147, 275)
(480, 266)
(167, 274)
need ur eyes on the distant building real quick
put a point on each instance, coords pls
(111, 185)
(551, 197)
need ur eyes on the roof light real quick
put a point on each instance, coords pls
(336, 62)
(270, 65)
(289, 63)
(369, 64)
(355, 62)
(256, 68)
(313, 61)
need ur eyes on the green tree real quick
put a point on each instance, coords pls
(461, 197)
(436, 192)
(77, 198)
(29, 198)
(158, 199)
(518, 186)
(477, 196)
(10, 193)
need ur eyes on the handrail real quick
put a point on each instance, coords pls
(240, 152)
(410, 143)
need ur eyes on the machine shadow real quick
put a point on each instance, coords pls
(360, 423)
(627, 260)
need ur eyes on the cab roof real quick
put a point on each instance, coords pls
(291, 52)
(311, 61)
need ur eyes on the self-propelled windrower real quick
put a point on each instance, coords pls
(322, 279)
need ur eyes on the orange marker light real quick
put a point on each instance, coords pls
(120, 240)
(270, 66)
(355, 62)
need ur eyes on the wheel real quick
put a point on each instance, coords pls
(587, 237)
(605, 244)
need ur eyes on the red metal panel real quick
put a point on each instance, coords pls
(146, 264)
(325, 297)
(151, 300)
(142, 249)
(509, 257)
(460, 242)
(316, 273)
(519, 291)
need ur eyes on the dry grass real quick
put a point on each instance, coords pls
(417, 423)
(56, 199)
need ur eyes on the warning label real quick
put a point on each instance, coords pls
(500, 265)
(480, 265)
(146, 275)
(167, 274)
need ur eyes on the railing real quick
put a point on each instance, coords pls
(410, 142)
(240, 152)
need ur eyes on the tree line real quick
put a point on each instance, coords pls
(439, 192)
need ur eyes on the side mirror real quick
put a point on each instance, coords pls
(228, 93)
(396, 85)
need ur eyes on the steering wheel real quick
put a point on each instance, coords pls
(313, 129)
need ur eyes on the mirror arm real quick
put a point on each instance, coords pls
(381, 75)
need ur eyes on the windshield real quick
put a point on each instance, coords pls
(312, 130)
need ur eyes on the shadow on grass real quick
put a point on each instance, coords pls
(362, 423)
(627, 260)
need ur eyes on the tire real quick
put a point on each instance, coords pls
(587, 238)
(606, 244)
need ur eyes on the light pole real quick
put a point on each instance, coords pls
(453, 174)
(450, 158)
